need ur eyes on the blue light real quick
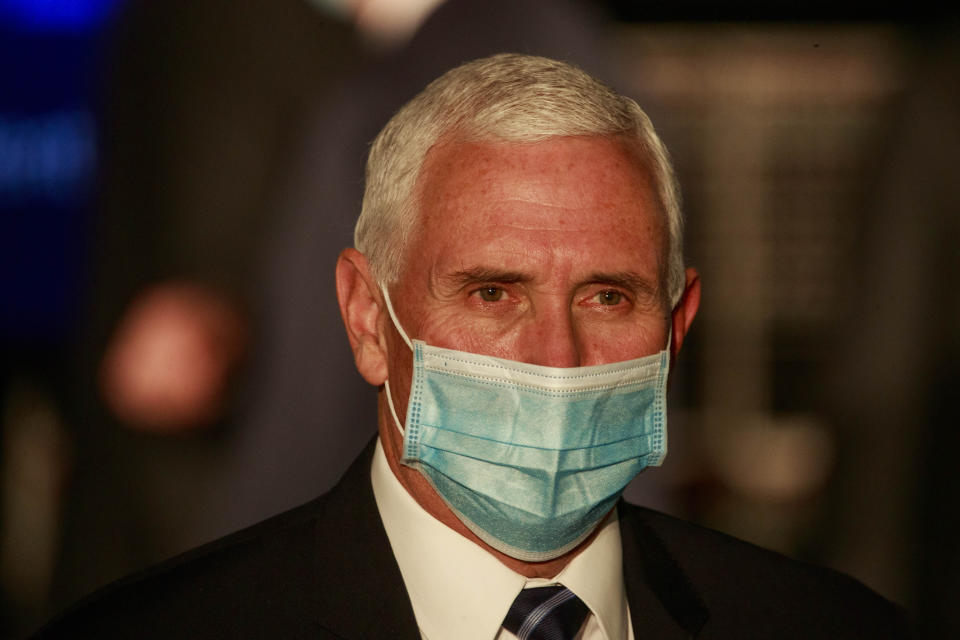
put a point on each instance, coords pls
(47, 158)
(55, 15)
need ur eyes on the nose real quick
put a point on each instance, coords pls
(550, 339)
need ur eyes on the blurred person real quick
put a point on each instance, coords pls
(201, 106)
(170, 361)
(517, 295)
(185, 202)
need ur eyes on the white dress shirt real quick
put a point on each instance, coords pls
(459, 590)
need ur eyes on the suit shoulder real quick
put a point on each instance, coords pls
(222, 589)
(746, 587)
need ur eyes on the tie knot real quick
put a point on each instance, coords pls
(546, 613)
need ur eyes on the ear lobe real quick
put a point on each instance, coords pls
(360, 305)
(685, 310)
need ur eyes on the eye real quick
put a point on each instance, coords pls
(490, 294)
(609, 297)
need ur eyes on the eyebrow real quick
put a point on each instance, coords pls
(484, 274)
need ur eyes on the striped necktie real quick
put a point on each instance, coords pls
(546, 613)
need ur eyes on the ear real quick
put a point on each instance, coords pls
(685, 310)
(360, 306)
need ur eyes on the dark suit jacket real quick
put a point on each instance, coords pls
(325, 570)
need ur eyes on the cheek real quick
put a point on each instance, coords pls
(453, 330)
(607, 343)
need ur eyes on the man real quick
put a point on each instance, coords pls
(517, 294)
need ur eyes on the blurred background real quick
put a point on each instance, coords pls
(176, 179)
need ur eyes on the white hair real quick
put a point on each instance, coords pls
(502, 98)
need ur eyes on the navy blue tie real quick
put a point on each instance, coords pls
(546, 613)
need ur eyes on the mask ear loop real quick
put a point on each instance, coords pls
(393, 317)
(403, 334)
(393, 411)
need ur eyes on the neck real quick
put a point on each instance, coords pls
(420, 489)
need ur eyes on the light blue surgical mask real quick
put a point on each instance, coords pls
(531, 458)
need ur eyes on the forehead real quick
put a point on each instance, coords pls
(584, 197)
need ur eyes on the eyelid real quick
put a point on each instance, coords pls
(473, 287)
(599, 288)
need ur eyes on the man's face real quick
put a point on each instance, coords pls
(549, 253)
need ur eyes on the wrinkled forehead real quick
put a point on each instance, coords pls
(583, 202)
(598, 174)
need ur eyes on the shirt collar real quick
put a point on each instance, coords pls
(458, 590)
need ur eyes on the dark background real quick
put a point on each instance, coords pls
(220, 144)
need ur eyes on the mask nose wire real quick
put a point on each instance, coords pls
(403, 334)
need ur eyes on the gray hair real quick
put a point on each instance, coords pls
(503, 98)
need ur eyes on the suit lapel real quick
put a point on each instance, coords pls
(663, 602)
(360, 592)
